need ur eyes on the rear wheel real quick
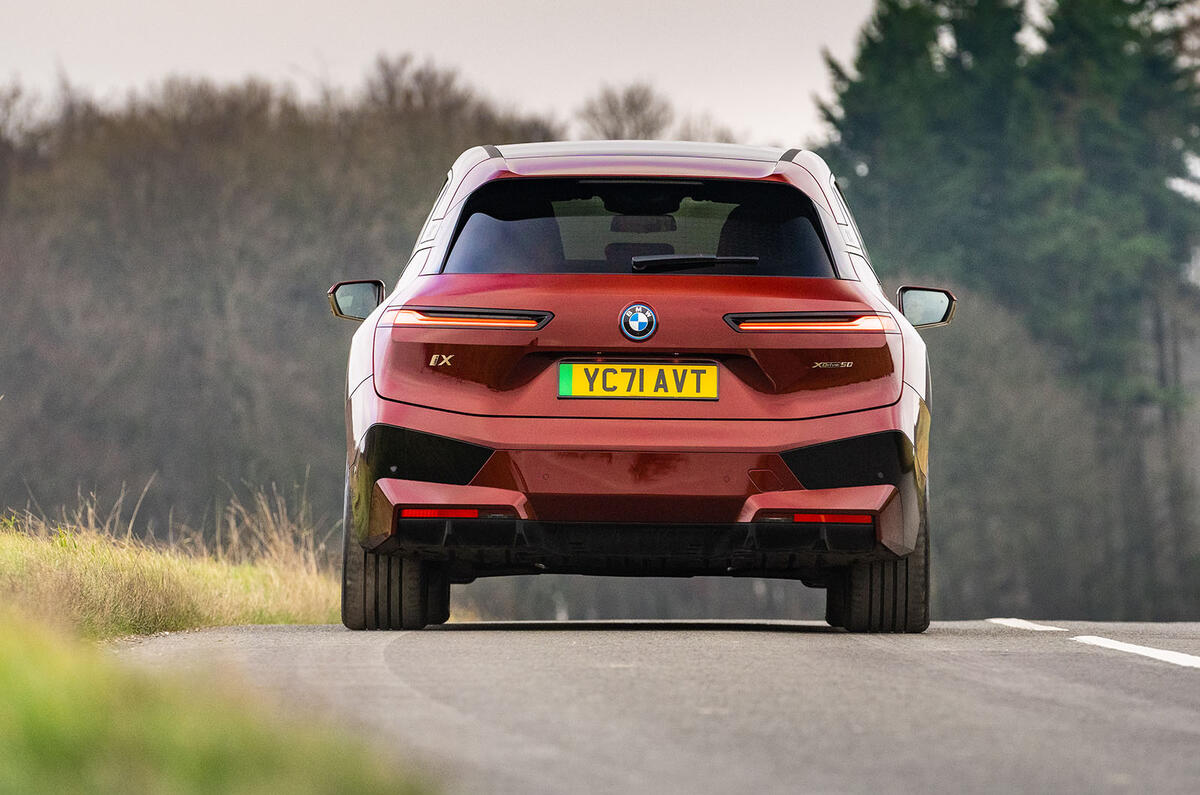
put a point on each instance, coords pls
(439, 595)
(425, 594)
(835, 601)
(889, 596)
(388, 592)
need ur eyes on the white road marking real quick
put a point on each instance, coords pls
(1165, 655)
(1176, 657)
(1020, 623)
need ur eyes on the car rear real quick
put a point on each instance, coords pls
(591, 371)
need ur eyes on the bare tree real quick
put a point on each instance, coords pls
(634, 112)
(704, 128)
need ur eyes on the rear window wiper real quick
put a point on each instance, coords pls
(659, 263)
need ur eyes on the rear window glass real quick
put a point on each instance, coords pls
(630, 226)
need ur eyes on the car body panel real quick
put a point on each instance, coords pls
(512, 372)
(573, 470)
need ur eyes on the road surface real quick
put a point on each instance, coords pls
(721, 707)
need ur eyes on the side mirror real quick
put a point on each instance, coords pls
(926, 307)
(354, 300)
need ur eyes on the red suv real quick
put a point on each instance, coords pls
(638, 358)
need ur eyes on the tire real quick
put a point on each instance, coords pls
(370, 585)
(388, 592)
(835, 602)
(439, 595)
(889, 596)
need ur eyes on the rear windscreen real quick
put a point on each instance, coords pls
(638, 226)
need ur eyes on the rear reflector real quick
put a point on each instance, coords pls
(812, 323)
(449, 318)
(439, 513)
(834, 518)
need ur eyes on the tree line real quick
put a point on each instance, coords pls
(165, 259)
(1047, 166)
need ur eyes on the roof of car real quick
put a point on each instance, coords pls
(675, 159)
(641, 148)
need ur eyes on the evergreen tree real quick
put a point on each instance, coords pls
(928, 132)
(1044, 178)
(1117, 110)
(885, 141)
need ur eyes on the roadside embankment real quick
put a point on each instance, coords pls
(82, 573)
(76, 721)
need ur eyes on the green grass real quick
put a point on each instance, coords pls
(74, 721)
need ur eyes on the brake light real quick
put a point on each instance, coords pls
(439, 513)
(813, 323)
(448, 318)
(834, 518)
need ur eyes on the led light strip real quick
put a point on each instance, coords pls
(834, 518)
(397, 316)
(439, 513)
(862, 323)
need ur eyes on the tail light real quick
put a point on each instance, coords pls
(439, 513)
(486, 512)
(815, 518)
(813, 322)
(463, 318)
(834, 518)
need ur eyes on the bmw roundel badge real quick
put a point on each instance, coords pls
(638, 322)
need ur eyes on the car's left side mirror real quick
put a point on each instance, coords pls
(926, 307)
(354, 300)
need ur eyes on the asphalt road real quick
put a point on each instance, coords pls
(740, 706)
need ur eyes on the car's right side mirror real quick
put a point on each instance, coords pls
(354, 300)
(926, 307)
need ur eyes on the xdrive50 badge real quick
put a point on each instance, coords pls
(638, 322)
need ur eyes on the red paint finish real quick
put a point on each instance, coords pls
(513, 372)
(614, 485)
(390, 495)
(882, 504)
(640, 461)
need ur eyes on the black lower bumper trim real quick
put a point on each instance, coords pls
(485, 546)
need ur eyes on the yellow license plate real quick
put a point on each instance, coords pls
(638, 381)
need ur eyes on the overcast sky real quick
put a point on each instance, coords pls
(753, 66)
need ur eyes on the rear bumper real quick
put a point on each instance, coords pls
(366, 408)
(645, 497)
(753, 545)
(483, 547)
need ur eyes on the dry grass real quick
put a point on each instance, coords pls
(86, 570)
(75, 721)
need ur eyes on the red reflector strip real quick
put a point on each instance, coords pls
(439, 513)
(864, 323)
(834, 518)
(412, 317)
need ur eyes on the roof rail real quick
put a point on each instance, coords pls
(790, 155)
(492, 151)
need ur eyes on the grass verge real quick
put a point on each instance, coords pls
(74, 721)
(81, 573)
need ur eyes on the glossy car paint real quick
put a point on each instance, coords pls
(628, 461)
(513, 372)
